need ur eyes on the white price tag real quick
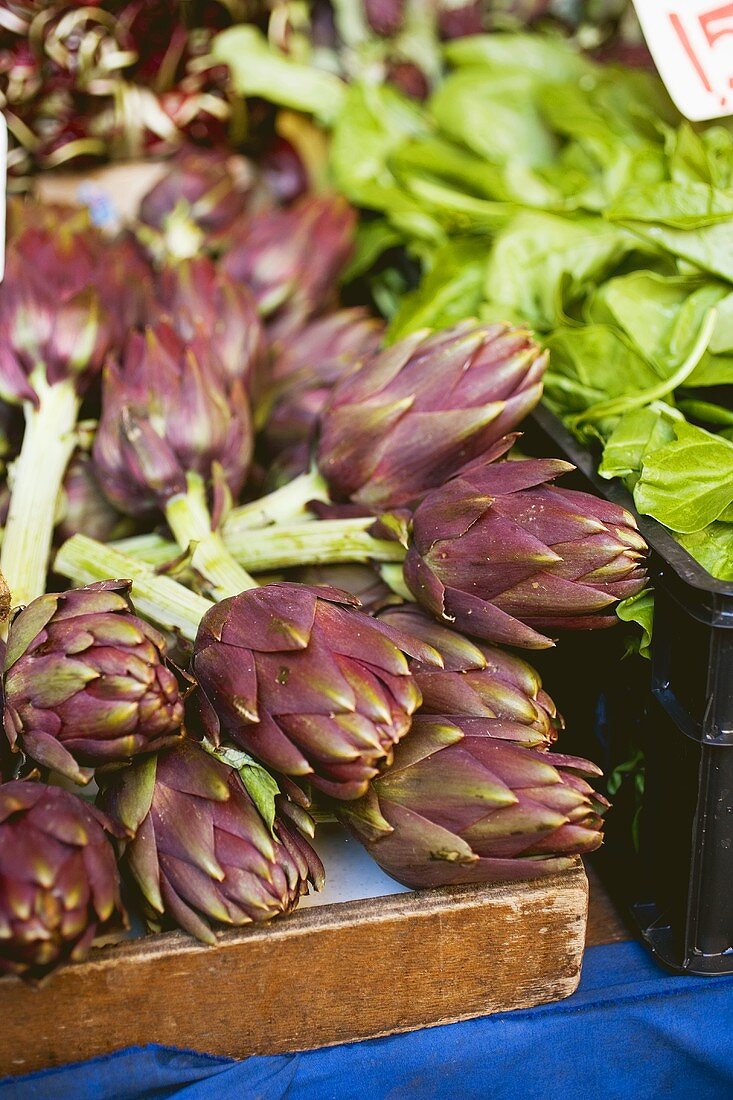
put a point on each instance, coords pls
(691, 42)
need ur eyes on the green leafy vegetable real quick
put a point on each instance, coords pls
(592, 364)
(639, 609)
(636, 435)
(373, 122)
(687, 483)
(542, 264)
(257, 69)
(538, 187)
(496, 114)
(521, 53)
(451, 291)
(713, 548)
(689, 205)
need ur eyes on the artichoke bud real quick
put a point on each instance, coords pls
(492, 688)
(291, 259)
(417, 412)
(385, 17)
(59, 884)
(460, 806)
(199, 299)
(307, 683)
(47, 340)
(198, 198)
(305, 368)
(166, 414)
(505, 555)
(202, 854)
(86, 684)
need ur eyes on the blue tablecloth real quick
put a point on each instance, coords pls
(631, 1030)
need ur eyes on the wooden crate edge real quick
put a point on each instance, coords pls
(338, 973)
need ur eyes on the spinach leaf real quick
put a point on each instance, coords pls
(688, 205)
(531, 54)
(373, 121)
(258, 69)
(688, 483)
(637, 434)
(592, 364)
(495, 114)
(663, 315)
(713, 548)
(722, 339)
(513, 183)
(705, 157)
(640, 609)
(542, 264)
(451, 291)
(709, 248)
(706, 411)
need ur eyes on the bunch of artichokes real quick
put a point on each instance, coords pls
(211, 707)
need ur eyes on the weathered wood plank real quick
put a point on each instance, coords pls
(320, 976)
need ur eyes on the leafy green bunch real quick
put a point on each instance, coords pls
(539, 187)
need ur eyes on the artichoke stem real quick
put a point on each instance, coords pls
(160, 599)
(151, 549)
(190, 521)
(393, 577)
(38, 474)
(285, 505)
(329, 542)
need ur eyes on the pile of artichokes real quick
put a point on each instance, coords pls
(299, 555)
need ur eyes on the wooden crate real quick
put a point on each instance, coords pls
(328, 973)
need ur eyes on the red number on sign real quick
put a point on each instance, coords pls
(722, 16)
(689, 50)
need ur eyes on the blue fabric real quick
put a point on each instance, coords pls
(631, 1031)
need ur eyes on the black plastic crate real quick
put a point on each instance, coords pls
(669, 854)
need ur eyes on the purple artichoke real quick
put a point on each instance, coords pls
(67, 336)
(495, 691)
(408, 78)
(283, 172)
(505, 555)
(459, 807)
(59, 886)
(166, 413)
(67, 256)
(200, 299)
(417, 412)
(307, 683)
(201, 852)
(385, 17)
(124, 283)
(291, 259)
(460, 20)
(85, 682)
(199, 192)
(306, 367)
